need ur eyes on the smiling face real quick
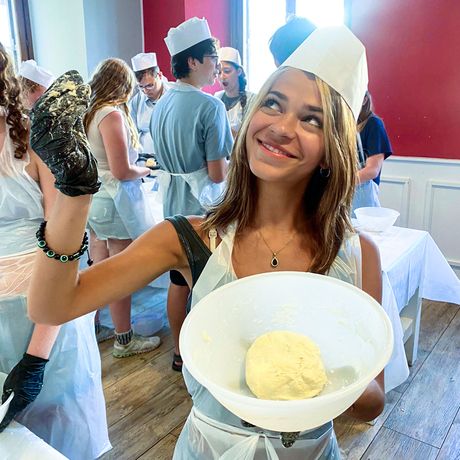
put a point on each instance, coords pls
(285, 140)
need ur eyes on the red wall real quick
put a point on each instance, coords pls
(160, 16)
(413, 50)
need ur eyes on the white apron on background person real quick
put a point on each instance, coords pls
(201, 186)
(69, 413)
(236, 113)
(366, 195)
(120, 209)
(141, 108)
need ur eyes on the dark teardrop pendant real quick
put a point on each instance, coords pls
(274, 262)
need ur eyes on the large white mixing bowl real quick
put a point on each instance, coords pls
(351, 329)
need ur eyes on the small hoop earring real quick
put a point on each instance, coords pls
(324, 172)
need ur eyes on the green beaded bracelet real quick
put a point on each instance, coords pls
(43, 245)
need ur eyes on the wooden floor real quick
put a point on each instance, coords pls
(147, 402)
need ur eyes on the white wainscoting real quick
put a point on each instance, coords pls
(426, 191)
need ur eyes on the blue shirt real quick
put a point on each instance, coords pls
(189, 128)
(375, 140)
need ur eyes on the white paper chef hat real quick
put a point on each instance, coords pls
(230, 54)
(32, 71)
(187, 34)
(144, 61)
(335, 55)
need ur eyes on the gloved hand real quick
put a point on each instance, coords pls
(58, 137)
(26, 381)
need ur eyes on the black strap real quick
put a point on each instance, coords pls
(196, 251)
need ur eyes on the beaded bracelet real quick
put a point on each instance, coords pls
(43, 245)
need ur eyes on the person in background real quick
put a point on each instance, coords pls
(54, 372)
(120, 211)
(376, 148)
(288, 37)
(192, 139)
(152, 85)
(290, 185)
(233, 81)
(35, 80)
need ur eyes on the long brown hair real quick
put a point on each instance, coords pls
(11, 101)
(367, 110)
(327, 201)
(112, 84)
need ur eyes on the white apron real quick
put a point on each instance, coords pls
(202, 187)
(366, 195)
(69, 413)
(143, 117)
(131, 203)
(204, 437)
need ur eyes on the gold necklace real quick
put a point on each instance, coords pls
(275, 262)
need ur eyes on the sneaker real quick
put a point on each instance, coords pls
(137, 345)
(104, 333)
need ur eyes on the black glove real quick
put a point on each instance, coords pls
(26, 381)
(58, 137)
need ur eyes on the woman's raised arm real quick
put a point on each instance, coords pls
(57, 292)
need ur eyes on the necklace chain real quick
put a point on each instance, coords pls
(275, 261)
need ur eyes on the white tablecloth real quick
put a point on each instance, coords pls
(410, 260)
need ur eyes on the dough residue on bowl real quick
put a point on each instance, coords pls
(284, 365)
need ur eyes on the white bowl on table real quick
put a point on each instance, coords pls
(4, 407)
(351, 329)
(376, 219)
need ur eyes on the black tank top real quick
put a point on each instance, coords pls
(196, 251)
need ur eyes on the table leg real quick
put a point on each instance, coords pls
(410, 318)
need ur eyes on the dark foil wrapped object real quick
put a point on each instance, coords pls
(58, 137)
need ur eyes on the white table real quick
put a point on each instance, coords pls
(413, 268)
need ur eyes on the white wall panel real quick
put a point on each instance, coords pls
(397, 196)
(426, 192)
(442, 213)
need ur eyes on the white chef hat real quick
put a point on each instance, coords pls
(335, 55)
(144, 61)
(187, 34)
(229, 54)
(32, 71)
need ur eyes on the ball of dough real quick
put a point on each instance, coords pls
(150, 163)
(284, 365)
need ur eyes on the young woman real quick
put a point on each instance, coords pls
(119, 212)
(69, 411)
(290, 186)
(376, 148)
(233, 81)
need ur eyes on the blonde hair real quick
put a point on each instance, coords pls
(112, 84)
(327, 201)
(28, 86)
(11, 102)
